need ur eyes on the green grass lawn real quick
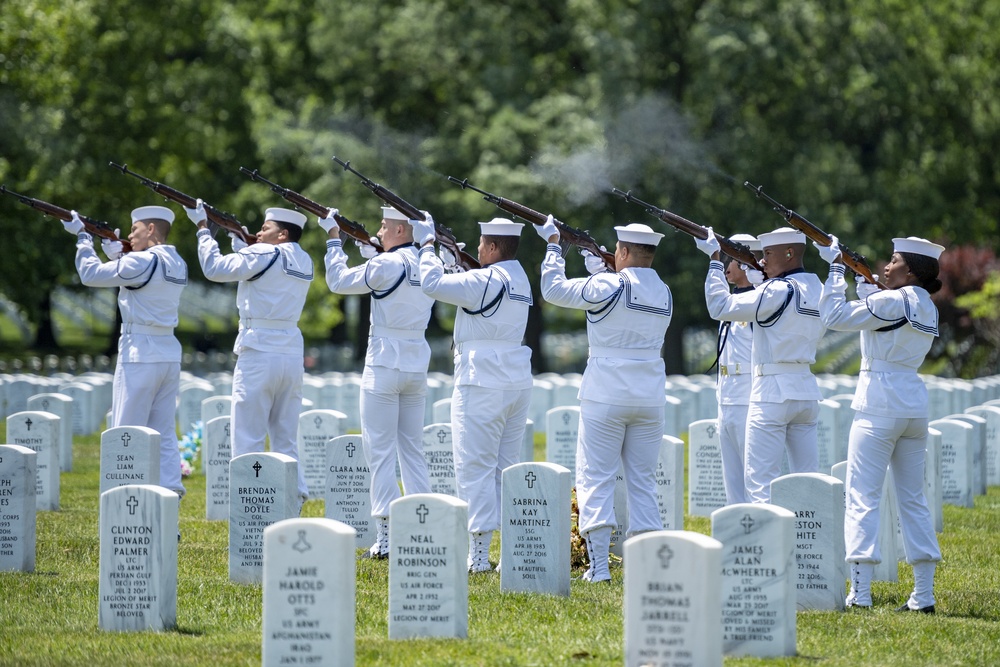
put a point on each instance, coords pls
(50, 617)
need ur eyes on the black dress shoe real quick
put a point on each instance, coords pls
(929, 609)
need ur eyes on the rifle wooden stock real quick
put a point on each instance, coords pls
(443, 235)
(854, 261)
(727, 246)
(220, 219)
(353, 229)
(571, 235)
(90, 225)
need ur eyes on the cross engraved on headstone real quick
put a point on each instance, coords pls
(227, 429)
(565, 418)
(350, 450)
(256, 468)
(710, 431)
(665, 554)
(27, 422)
(747, 523)
(318, 421)
(422, 513)
(218, 408)
(132, 503)
(441, 435)
(302, 545)
(126, 436)
(530, 479)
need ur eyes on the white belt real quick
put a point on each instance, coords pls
(259, 323)
(404, 334)
(730, 369)
(883, 366)
(130, 328)
(624, 353)
(472, 345)
(780, 369)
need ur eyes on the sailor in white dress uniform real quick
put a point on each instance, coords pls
(273, 275)
(394, 381)
(150, 279)
(623, 389)
(898, 326)
(492, 394)
(784, 397)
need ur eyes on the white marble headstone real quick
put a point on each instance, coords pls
(348, 487)
(441, 411)
(562, 426)
(263, 489)
(129, 455)
(82, 396)
(979, 431)
(958, 477)
(428, 571)
(216, 452)
(17, 508)
(619, 532)
(992, 416)
(216, 406)
(706, 482)
(60, 405)
(535, 529)
(440, 459)
(349, 400)
(39, 432)
(933, 484)
(670, 483)
(189, 400)
(672, 600)
(845, 417)
(138, 572)
(542, 392)
(817, 501)
(672, 424)
(827, 433)
(758, 579)
(308, 595)
(316, 427)
(528, 443)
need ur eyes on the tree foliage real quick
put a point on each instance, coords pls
(873, 119)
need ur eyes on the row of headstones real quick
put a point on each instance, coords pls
(687, 596)
(91, 395)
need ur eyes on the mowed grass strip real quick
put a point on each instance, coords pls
(50, 617)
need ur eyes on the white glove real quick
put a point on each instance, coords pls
(831, 252)
(238, 242)
(112, 249)
(594, 263)
(448, 257)
(423, 230)
(864, 288)
(366, 249)
(548, 229)
(197, 214)
(710, 245)
(754, 277)
(74, 225)
(329, 223)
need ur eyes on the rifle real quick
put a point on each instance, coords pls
(570, 235)
(734, 249)
(353, 229)
(91, 226)
(443, 235)
(855, 262)
(216, 218)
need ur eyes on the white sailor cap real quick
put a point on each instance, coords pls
(638, 233)
(153, 213)
(500, 227)
(749, 240)
(917, 246)
(781, 236)
(390, 213)
(285, 215)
